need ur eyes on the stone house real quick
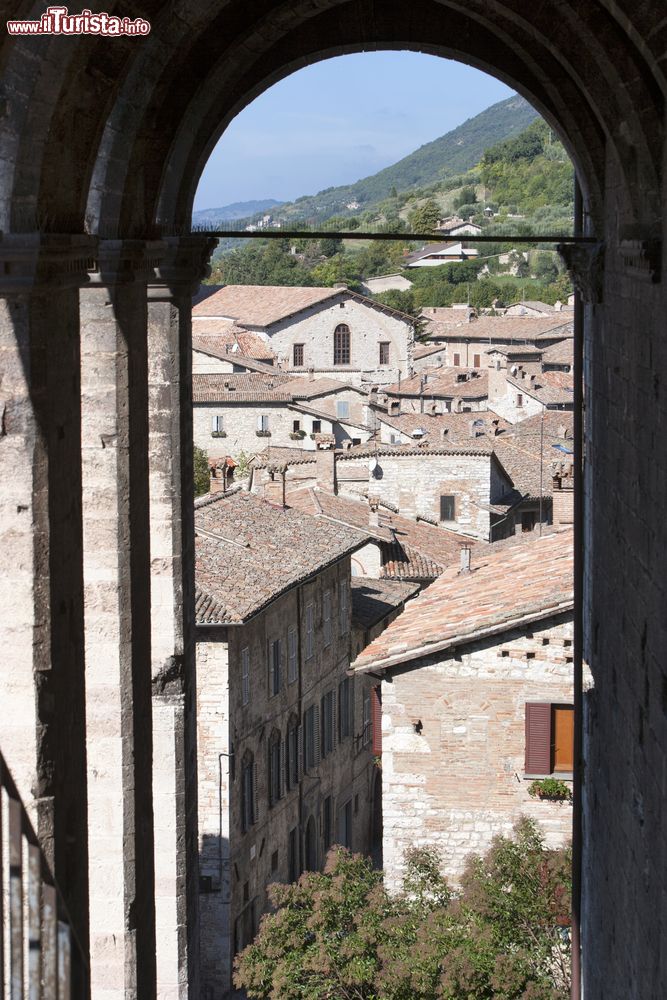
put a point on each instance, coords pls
(465, 336)
(439, 390)
(476, 702)
(284, 739)
(328, 330)
(516, 394)
(438, 253)
(240, 412)
(459, 486)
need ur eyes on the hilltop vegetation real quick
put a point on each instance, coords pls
(526, 180)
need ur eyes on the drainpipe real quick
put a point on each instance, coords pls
(578, 422)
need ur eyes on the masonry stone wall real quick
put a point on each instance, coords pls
(205, 364)
(461, 780)
(314, 328)
(414, 484)
(240, 426)
(236, 865)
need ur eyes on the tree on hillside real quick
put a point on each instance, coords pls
(466, 196)
(339, 935)
(424, 218)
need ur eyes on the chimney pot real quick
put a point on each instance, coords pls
(465, 558)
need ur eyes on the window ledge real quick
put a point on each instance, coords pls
(561, 776)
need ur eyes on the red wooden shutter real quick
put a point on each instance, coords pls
(538, 738)
(376, 720)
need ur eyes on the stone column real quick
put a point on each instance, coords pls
(172, 613)
(42, 719)
(117, 588)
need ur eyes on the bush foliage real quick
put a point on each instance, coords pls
(339, 935)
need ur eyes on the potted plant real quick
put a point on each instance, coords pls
(219, 434)
(552, 789)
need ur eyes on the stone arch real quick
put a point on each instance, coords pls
(130, 126)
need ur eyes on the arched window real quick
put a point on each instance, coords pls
(248, 791)
(310, 846)
(342, 345)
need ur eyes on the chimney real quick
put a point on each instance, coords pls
(465, 559)
(445, 433)
(311, 374)
(325, 469)
(563, 494)
(532, 381)
(374, 512)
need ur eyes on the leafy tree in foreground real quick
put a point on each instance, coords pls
(201, 470)
(338, 934)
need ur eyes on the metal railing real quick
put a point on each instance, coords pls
(40, 958)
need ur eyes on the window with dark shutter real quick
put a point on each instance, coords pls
(447, 508)
(538, 738)
(457, 360)
(476, 360)
(298, 355)
(327, 821)
(376, 720)
(384, 352)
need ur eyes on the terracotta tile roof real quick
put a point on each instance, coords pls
(273, 455)
(220, 338)
(526, 351)
(424, 350)
(442, 382)
(264, 305)
(560, 353)
(476, 446)
(412, 550)
(239, 388)
(519, 448)
(304, 388)
(249, 551)
(501, 328)
(373, 600)
(550, 388)
(428, 250)
(506, 586)
(261, 305)
(457, 425)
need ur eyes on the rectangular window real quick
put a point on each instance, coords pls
(342, 345)
(275, 653)
(345, 825)
(327, 730)
(519, 399)
(549, 738)
(342, 409)
(245, 676)
(457, 360)
(376, 719)
(310, 631)
(292, 770)
(247, 796)
(296, 426)
(263, 422)
(326, 616)
(384, 352)
(292, 661)
(293, 854)
(366, 725)
(217, 424)
(327, 822)
(476, 361)
(297, 357)
(343, 607)
(447, 508)
(310, 738)
(317, 426)
(344, 709)
(274, 772)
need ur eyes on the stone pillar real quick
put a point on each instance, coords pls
(42, 719)
(117, 589)
(172, 613)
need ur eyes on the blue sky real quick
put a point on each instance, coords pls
(340, 120)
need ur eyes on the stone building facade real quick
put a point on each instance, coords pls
(327, 330)
(285, 765)
(477, 702)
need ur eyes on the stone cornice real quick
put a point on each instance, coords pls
(42, 262)
(184, 266)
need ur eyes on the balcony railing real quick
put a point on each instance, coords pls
(40, 958)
